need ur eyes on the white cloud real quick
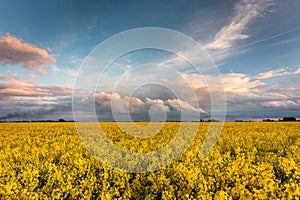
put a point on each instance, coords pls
(222, 45)
(179, 105)
(246, 11)
(266, 100)
(134, 105)
(297, 71)
(282, 105)
(71, 73)
(234, 83)
(277, 72)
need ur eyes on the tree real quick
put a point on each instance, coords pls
(289, 119)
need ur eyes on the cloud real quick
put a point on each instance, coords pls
(276, 72)
(297, 71)
(27, 99)
(223, 43)
(273, 73)
(37, 113)
(177, 104)
(14, 51)
(234, 83)
(282, 105)
(71, 73)
(13, 87)
(267, 100)
(243, 91)
(245, 12)
(134, 105)
(239, 83)
(30, 76)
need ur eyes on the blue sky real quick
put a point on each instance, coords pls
(255, 44)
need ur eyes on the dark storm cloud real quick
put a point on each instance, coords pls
(37, 113)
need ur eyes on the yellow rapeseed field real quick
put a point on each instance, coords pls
(251, 160)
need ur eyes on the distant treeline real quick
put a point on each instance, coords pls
(284, 119)
(47, 120)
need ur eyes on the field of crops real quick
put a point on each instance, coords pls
(252, 160)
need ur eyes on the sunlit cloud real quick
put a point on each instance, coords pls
(266, 101)
(234, 83)
(13, 87)
(277, 72)
(13, 51)
(225, 40)
(245, 12)
(134, 105)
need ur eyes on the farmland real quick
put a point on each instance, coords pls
(257, 160)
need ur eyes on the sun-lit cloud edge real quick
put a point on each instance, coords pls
(13, 51)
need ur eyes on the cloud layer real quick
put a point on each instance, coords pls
(135, 105)
(37, 113)
(243, 92)
(14, 51)
(13, 88)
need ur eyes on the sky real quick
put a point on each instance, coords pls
(253, 45)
